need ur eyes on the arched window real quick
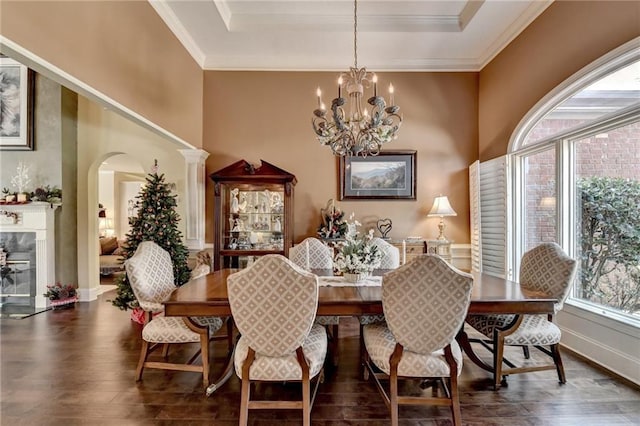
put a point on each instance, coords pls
(576, 171)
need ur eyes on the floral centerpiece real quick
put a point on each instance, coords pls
(357, 256)
(334, 225)
(61, 295)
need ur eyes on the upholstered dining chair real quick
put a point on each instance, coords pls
(390, 260)
(390, 254)
(150, 272)
(310, 254)
(544, 269)
(425, 302)
(274, 305)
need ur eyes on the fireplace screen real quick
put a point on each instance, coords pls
(17, 268)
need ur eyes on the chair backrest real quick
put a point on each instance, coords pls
(425, 302)
(390, 254)
(150, 272)
(320, 255)
(548, 269)
(274, 304)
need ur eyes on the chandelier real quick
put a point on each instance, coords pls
(352, 128)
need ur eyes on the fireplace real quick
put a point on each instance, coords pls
(27, 239)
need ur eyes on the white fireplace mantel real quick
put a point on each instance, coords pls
(37, 217)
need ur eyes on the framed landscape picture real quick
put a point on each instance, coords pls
(16, 105)
(388, 175)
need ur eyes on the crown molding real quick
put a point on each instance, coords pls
(171, 20)
(516, 28)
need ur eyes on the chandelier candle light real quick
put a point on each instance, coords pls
(360, 131)
(441, 207)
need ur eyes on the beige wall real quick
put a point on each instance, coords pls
(267, 115)
(565, 38)
(120, 48)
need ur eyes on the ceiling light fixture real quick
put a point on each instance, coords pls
(360, 131)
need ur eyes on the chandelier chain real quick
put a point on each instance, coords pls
(355, 34)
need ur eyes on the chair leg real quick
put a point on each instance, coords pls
(165, 351)
(144, 352)
(498, 354)
(394, 360)
(204, 354)
(363, 358)
(455, 400)
(246, 388)
(306, 401)
(557, 359)
(230, 334)
(393, 396)
(452, 392)
(334, 344)
(244, 402)
(525, 351)
(306, 387)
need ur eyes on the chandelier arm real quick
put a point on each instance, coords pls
(338, 115)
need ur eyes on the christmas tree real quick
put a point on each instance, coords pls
(156, 221)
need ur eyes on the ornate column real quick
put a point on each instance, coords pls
(194, 197)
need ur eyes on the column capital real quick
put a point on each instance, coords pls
(194, 155)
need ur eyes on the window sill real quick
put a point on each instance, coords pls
(605, 317)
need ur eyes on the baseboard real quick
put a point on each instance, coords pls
(89, 294)
(461, 256)
(606, 357)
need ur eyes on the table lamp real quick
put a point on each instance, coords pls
(105, 226)
(441, 207)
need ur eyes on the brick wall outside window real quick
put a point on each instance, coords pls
(616, 155)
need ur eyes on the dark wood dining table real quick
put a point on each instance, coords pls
(207, 296)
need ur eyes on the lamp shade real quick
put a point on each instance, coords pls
(441, 207)
(105, 226)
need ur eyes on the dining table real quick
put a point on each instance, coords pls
(207, 296)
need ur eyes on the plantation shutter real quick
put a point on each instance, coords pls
(474, 202)
(494, 217)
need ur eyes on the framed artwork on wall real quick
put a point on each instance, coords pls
(16, 105)
(388, 175)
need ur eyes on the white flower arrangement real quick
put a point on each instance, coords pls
(357, 255)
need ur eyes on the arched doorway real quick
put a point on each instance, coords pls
(120, 178)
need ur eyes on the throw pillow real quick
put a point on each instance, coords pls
(108, 245)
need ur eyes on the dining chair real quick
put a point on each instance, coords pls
(150, 272)
(390, 254)
(274, 305)
(390, 260)
(425, 303)
(545, 269)
(310, 254)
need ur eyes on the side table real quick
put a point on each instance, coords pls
(409, 248)
(440, 247)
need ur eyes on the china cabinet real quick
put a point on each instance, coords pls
(253, 213)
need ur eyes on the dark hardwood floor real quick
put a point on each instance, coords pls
(76, 367)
